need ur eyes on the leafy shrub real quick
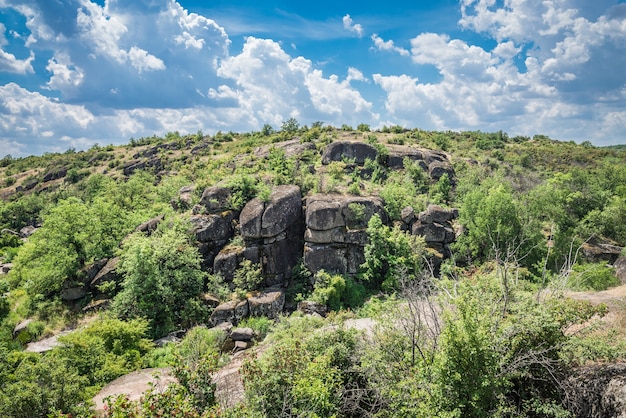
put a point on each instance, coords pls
(105, 349)
(388, 251)
(589, 276)
(163, 280)
(247, 277)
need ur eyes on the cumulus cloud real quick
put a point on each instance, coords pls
(352, 27)
(9, 62)
(382, 45)
(550, 62)
(271, 85)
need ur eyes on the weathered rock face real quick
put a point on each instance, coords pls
(600, 249)
(340, 150)
(335, 235)
(216, 199)
(620, 269)
(272, 232)
(597, 391)
(435, 225)
(269, 304)
(150, 225)
(232, 311)
(108, 273)
(212, 232)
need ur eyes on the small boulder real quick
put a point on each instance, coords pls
(308, 307)
(27, 231)
(216, 199)
(21, 327)
(269, 303)
(150, 225)
(242, 334)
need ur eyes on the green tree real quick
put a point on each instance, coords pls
(389, 251)
(163, 280)
(72, 235)
(290, 126)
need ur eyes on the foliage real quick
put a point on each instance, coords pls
(587, 276)
(163, 280)
(72, 235)
(248, 277)
(389, 250)
(39, 386)
(105, 349)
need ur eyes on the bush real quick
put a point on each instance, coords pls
(389, 251)
(163, 281)
(589, 276)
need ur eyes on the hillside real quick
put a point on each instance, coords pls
(478, 255)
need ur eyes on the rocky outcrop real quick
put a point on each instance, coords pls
(435, 225)
(601, 249)
(55, 174)
(335, 235)
(597, 391)
(348, 150)
(149, 226)
(620, 269)
(108, 273)
(153, 163)
(212, 232)
(272, 234)
(292, 148)
(232, 311)
(216, 199)
(269, 304)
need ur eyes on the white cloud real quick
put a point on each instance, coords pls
(65, 76)
(352, 27)
(271, 86)
(9, 62)
(382, 45)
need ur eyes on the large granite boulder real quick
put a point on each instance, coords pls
(335, 235)
(108, 273)
(348, 150)
(232, 311)
(272, 232)
(260, 219)
(435, 225)
(216, 199)
(269, 303)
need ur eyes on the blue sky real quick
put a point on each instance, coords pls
(74, 73)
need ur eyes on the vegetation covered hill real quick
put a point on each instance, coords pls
(461, 246)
